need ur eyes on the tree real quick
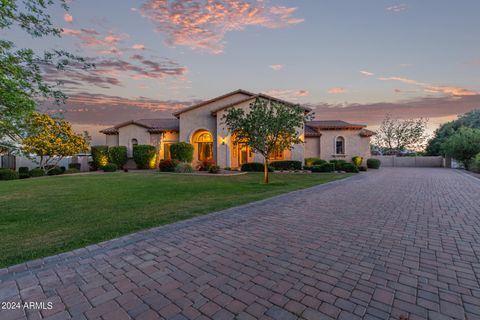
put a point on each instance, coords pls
(52, 140)
(470, 119)
(396, 134)
(21, 81)
(463, 145)
(269, 126)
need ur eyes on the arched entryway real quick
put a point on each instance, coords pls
(202, 141)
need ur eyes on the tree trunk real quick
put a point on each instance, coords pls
(265, 171)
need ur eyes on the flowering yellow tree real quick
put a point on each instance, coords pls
(52, 140)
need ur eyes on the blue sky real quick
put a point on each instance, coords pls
(352, 60)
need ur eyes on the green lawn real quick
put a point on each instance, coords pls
(44, 216)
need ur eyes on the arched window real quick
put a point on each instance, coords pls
(340, 145)
(134, 142)
(204, 143)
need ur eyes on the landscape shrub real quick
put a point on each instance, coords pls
(319, 162)
(99, 156)
(362, 168)
(37, 172)
(287, 165)
(168, 165)
(205, 165)
(75, 166)
(338, 163)
(71, 171)
(475, 165)
(23, 173)
(62, 168)
(182, 151)
(144, 156)
(326, 167)
(254, 167)
(349, 167)
(373, 163)
(110, 167)
(54, 170)
(184, 167)
(118, 155)
(357, 161)
(214, 169)
(8, 174)
(309, 162)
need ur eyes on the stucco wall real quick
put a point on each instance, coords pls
(324, 146)
(127, 133)
(111, 140)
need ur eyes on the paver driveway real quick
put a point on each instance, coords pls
(399, 243)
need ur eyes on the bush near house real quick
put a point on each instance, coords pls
(167, 165)
(182, 151)
(338, 163)
(110, 167)
(54, 170)
(357, 161)
(23, 173)
(37, 172)
(349, 167)
(214, 169)
(99, 156)
(475, 164)
(362, 168)
(286, 165)
(8, 174)
(326, 167)
(144, 156)
(205, 165)
(77, 166)
(309, 162)
(184, 167)
(254, 167)
(373, 163)
(118, 155)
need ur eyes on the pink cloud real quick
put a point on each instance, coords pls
(68, 17)
(203, 24)
(287, 94)
(277, 67)
(138, 46)
(336, 90)
(431, 88)
(367, 73)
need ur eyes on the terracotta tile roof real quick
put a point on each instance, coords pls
(313, 128)
(366, 133)
(153, 125)
(311, 132)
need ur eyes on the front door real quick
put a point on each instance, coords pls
(242, 154)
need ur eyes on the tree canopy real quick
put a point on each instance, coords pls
(400, 135)
(267, 127)
(22, 86)
(463, 145)
(51, 139)
(435, 145)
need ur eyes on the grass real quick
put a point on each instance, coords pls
(45, 216)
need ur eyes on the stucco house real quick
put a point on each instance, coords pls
(201, 125)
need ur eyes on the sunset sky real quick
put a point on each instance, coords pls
(354, 60)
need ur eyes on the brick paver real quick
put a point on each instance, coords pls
(395, 243)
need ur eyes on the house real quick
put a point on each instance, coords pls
(201, 125)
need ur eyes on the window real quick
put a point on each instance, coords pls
(205, 146)
(276, 155)
(340, 145)
(166, 151)
(134, 142)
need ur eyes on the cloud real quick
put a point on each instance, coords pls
(277, 67)
(108, 72)
(336, 90)
(138, 46)
(373, 113)
(287, 94)
(68, 18)
(431, 88)
(397, 8)
(367, 73)
(104, 44)
(203, 24)
(405, 65)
